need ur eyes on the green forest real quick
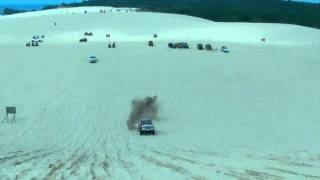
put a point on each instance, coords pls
(269, 11)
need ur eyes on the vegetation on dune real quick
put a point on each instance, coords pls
(269, 11)
(8, 11)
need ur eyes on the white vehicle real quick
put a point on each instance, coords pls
(225, 49)
(37, 40)
(92, 59)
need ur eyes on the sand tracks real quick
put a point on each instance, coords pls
(125, 160)
(54, 169)
(171, 166)
(101, 149)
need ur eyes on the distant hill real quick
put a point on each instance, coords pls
(269, 11)
(8, 11)
(13, 9)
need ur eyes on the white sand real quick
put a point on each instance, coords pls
(252, 113)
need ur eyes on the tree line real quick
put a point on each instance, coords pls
(8, 11)
(264, 11)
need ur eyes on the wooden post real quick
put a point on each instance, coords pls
(5, 118)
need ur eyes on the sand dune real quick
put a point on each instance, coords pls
(252, 113)
(140, 26)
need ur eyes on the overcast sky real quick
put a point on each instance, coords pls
(3, 2)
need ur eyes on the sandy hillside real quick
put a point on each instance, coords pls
(252, 113)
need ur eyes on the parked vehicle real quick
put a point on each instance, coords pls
(200, 46)
(88, 33)
(182, 45)
(185, 45)
(146, 127)
(83, 40)
(33, 43)
(150, 43)
(37, 40)
(208, 47)
(172, 45)
(92, 59)
(225, 49)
